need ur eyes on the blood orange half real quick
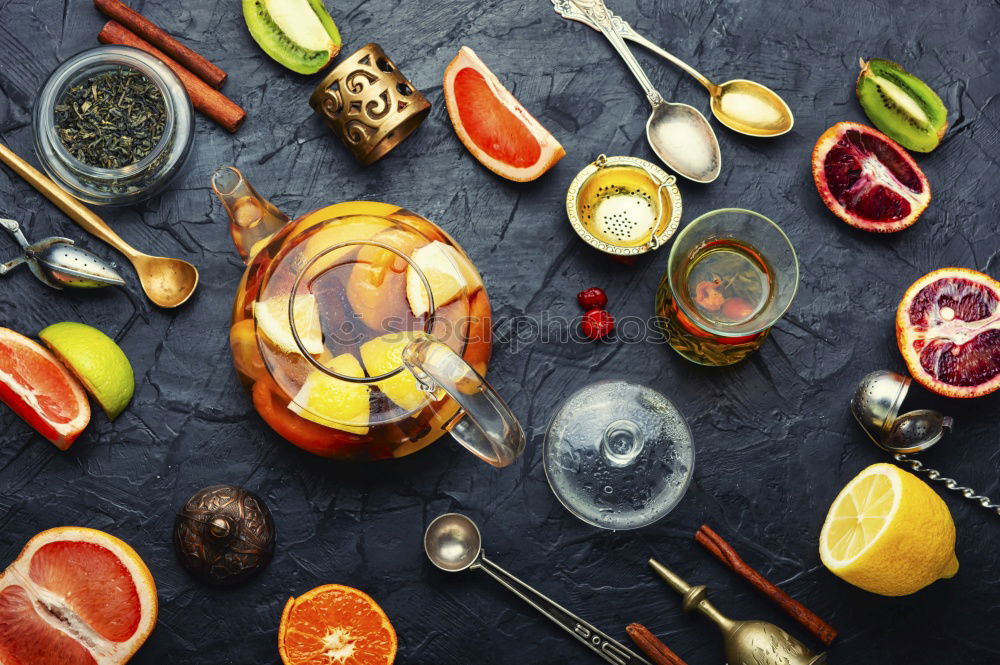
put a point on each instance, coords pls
(75, 596)
(335, 625)
(493, 125)
(948, 330)
(868, 180)
(41, 390)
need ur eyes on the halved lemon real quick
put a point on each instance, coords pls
(333, 402)
(446, 272)
(889, 533)
(384, 354)
(272, 319)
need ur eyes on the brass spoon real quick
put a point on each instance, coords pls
(743, 106)
(167, 282)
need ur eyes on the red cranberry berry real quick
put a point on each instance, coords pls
(597, 324)
(592, 298)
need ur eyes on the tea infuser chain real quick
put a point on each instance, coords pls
(950, 483)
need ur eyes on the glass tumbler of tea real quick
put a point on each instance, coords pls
(732, 273)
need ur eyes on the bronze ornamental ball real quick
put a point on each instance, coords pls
(224, 535)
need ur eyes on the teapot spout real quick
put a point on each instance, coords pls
(252, 218)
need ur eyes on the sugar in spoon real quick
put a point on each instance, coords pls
(453, 544)
(743, 106)
(679, 134)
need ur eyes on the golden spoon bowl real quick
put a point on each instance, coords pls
(751, 108)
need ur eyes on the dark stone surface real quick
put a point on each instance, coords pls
(775, 441)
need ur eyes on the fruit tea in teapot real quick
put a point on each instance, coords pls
(362, 330)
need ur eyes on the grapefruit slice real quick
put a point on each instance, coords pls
(868, 180)
(75, 596)
(335, 625)
(948, 330)
(41, 390)
(493, 125)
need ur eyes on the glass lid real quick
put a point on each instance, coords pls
(618, 455)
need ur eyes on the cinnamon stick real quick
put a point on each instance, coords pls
(724, 552)
(206, 99)
(154, 34)
(650, 644)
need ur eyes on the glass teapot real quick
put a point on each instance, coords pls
(362, 330)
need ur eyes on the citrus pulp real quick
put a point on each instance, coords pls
(868, 180)
(889, 533)
(335, 625)
(41, 390)
(75, 596)
(493, 125)
(948, 330)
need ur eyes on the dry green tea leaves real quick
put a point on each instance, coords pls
(111, 120)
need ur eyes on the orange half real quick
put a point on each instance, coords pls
(493, 125)
(335, 625)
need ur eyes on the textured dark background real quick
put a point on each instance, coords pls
(775, 441)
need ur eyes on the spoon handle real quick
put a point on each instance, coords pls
(604, 646)
(598, 14)
(565, 9)
(75, 210)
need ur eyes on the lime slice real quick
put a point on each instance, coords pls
(272, 320)
(332, 402)
(447, 272)
(384, 354)
(95, 359)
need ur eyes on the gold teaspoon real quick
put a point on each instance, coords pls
(167, 282)
(743, 106)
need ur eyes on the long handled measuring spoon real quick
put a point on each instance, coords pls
(677, 133)
(453, 544)
(167, 282)
(743, 106)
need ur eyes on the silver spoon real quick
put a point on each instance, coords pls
(58, 262)
(679, 134)
(875, 406)
(453, 544)
(743, 106)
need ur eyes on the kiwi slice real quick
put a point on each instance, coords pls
(299, 34)
(901, 105)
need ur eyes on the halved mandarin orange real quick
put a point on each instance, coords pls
(493, 125)
(335, 625)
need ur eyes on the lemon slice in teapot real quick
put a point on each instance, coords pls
(447, 272)
(272, 320)
(333, 402)
(384, 354)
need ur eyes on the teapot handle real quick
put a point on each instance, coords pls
(486, 427)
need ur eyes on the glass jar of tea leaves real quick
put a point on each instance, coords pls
(113, 125)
